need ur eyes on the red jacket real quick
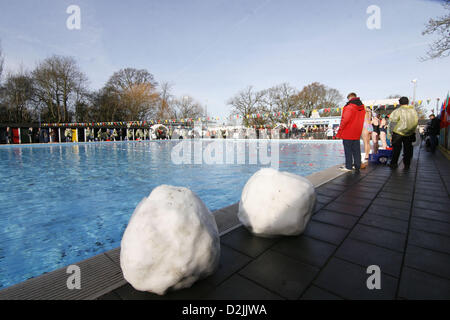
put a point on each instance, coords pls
(352, 120)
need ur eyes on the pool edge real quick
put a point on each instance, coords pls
(104, 269)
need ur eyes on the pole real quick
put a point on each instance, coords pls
(414, 91)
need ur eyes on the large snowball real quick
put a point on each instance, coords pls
(171, 241)
(276, 203)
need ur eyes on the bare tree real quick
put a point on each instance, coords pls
(441, 25)
(247, 102)
(186, 107)
(134, 92)
(165, 102)
(394, 96)
(318, 96)
(281, 100)
(59, 85)
(18, 95)
(2, 60)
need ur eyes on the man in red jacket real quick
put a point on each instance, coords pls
(350, 129)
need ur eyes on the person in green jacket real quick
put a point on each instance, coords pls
(405, 120)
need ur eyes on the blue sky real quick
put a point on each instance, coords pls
(211, 49)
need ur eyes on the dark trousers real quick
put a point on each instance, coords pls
(352, 151)
(433, 142)
(397, 142)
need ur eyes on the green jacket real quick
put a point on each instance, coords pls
(405, 119)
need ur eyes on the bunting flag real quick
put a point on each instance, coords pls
(281, 115)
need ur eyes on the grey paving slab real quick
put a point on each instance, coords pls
(418, 285)
(325, 232)
(431, 199)
(383, 238)
(431, 226)
(243, 241)
(240, 288)
(355, 193)
(435, 205)
(198, 291)
(392, 204)
(286, 276)
(324, 199)
(349, 198)
(429, 240)
(428, 261)
(305, 249)
(388, 212)
(335, 218)
(396, 196)
(396, 190)
(316, 293)
(328, 192)
(387, 223)
(349, 281)
(231, 261)
(346, 208)
(431, 214)
(366, 254)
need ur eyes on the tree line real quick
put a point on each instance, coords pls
(58, 91)
(282, 99)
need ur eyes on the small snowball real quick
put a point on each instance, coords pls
(170, 242)
(276, 203)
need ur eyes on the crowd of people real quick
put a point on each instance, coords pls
(396, 131)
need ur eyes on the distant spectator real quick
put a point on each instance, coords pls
(330, 133)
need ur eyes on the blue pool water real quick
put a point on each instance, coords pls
(60, 204)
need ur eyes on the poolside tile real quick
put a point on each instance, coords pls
(366, 254)
(335, 218)
(328, 192)
(360, 194)
(436, 205)
(110, 296)
(243, 241)
(431, 226)
(395, 196)
(390, 224)
(199, 290)
(325, 232)
(428, 261)
(324, 199)
(429, 240)
(346, 208)
(305, 249)
(396, 190)
(349, 281)
(316, 293)
(418, 285)
(390, 213)
(351, 199)
(443, 198)
(230, 262)
(383, 238)
(387, 203)
(239, 288)
(281, 274)
(431, 214)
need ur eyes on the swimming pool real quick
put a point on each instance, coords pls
(63, 203)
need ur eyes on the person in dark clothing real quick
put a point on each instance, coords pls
(350, 130)
(433, 130)
(405, 119)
